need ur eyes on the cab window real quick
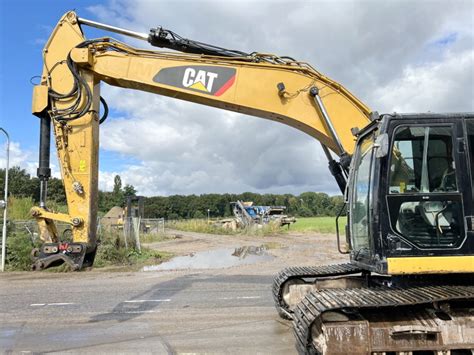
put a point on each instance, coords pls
(422, 168)
(422, 160)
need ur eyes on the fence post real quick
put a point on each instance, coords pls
(5, 208)
(136, 227)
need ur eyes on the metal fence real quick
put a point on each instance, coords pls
(31, 228)
(131, 229)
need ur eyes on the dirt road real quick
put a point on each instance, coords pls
(288, 249)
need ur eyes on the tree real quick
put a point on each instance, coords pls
(20, 183)
(117, 185)
(56, 191)
(129, 190)
(338, 203)
(117, 193)
(117, 197)
(307, 204)
(106, 201)
(199, 214)
(305, 212)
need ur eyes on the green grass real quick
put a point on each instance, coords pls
(317, 224)
(265, 230)
(19, 208)
(153, 238)
(198, 226)
(203, 226)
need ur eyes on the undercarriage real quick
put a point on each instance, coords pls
(339, 309)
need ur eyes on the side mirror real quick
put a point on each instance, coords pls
(381, 145)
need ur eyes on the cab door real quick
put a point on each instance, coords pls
(470, 172)
(427, 188)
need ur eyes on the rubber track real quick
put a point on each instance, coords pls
(316, 303)
(305, 272)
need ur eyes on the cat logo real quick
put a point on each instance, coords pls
(200, 80)
(211, 80)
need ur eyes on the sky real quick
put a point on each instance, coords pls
(402, 56)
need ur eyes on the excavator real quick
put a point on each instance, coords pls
(407, 180)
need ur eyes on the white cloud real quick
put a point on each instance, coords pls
(18, 157)
(443, 86)
(187, 148)
(25, 159)
(382, 51)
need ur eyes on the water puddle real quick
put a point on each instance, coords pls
(214, 259)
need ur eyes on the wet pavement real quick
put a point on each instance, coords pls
(215, 259)
(153, 312)
(204, 307)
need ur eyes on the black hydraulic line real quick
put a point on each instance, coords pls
(161, 37)
(106, 110)
(337, 172)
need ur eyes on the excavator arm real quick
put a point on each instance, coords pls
(68, 99)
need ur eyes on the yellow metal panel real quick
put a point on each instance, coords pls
(77, 141)
(430, 265)
(40, 99)
(82, 56)
(254, 91)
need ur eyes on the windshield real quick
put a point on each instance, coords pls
(361, 200)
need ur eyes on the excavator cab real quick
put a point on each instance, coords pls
(410, 200)
(408, 287)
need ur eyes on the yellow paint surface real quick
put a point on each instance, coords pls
(430, 265)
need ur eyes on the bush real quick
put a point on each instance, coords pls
(19, 246)
(198, 214)
(112, 252)
(305, 212)
(19, 208)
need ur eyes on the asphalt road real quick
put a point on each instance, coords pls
(161, 312)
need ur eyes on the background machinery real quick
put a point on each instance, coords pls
(408, 180)
(246, 214)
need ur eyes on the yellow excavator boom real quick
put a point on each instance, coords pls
(68, 96)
